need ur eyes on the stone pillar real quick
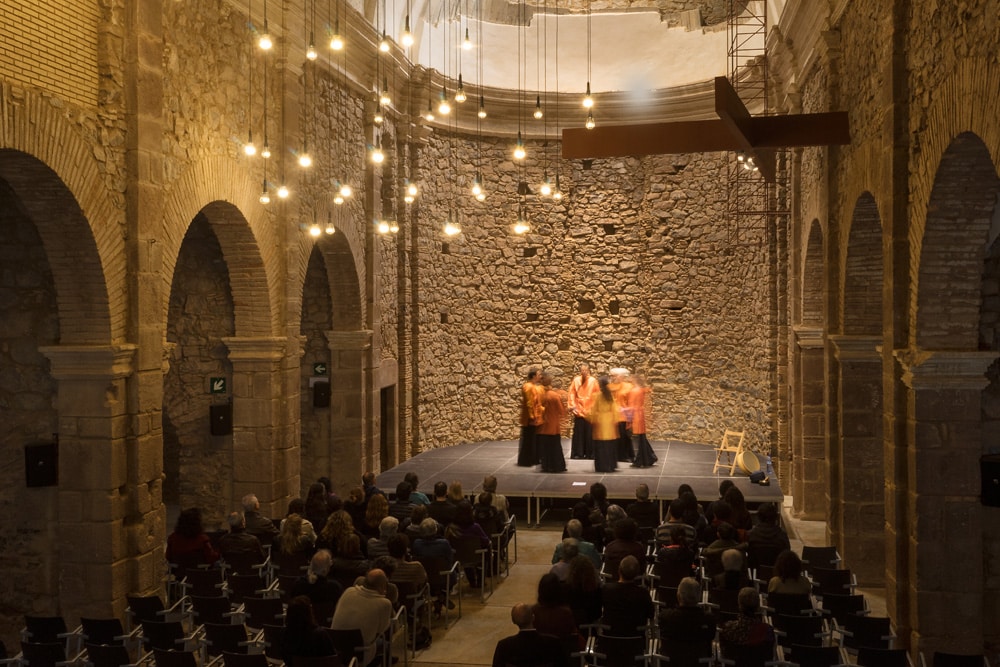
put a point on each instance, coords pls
(265, 458)
(860, 535)
(350, 452)
(92, 538)
(809, 446)
(945, 582)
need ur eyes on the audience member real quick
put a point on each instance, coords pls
(401, 507)
(723, 514)
(569, 552)
(368, 486)
(298, 506)
(528, 648)
(624, 544)
(734, 573)
(599, 497)
(552, 615)
(724, 486)
(627, 605)
(676, 560)
(464, 525)
(675, 517)
(355, 506)
(317, 506)
(377, 509)
(411, 572)
(788, 577)
(338, 527)
(188, 546)
(486, 515)
(333, 501)
(441, 508)
(692, 513)
(302, 637)
(767, 539)
(499, 500)
(416, 518)
(574, 529)
(316, 583)
(257, 525)
(416, 497)
(365, 607)
(379, 546)
(430, 544)
(455, 493)
(349, 562)
(747, 629)
(238, 544)
(687, 624)
(643, 511)
(741, 519)
(583, 590)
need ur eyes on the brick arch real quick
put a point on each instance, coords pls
(223, 191)
(812, 276)
(957, 225)
(863, 270)
(958, 106)
(77, 218)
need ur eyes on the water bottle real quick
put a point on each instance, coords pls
(770, 470)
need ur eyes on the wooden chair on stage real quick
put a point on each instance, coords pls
(732, 446)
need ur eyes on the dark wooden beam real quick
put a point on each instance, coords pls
(695, 136)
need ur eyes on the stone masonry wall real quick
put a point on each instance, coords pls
(315, 422)
(27, 392)
(633, 268)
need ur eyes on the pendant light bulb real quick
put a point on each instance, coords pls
(412, 190)
(557, 193)
(521, 227)
(330, 229)
(467, 43)
(590, 124)
(314, 230)
(265, 152)
(305, 160)
(346, 190)
(383, 227)
(283, 192)
(379, 117)
(443, 107)
(519, 152)
(477, 186)
(383, 44)
(588, 101)
(265, 42)
(538, 108)
(482, 107)
(406, 39)
(249, 148)
(311, 50)
(429, 114)
(336, 41)
(460, 93)
(545, 189)
(393, 227)
(384, 99)
(337, 199)
(265, 196)
(377, 155)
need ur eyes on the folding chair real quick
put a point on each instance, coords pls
(102, 631)
(244, 659)
(797, 630)
(43, 654)
(820, 557)
(107, 655)
(940, 659)
(219, 637)
(612, 651)
(842, 606)
(829, 580)
(789, 604)
(817, 656)
(473, 558)
(878, 657)
(258, 611)
(51, 629)
(417, 603)
(168, 635)
(739, 655)
(274, 635)
(732, 446)
(211, 609)
(866, 632)
(150, 608)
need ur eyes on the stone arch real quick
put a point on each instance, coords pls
(946, 374)
(812, 277)
(228, 197)
(858, 471)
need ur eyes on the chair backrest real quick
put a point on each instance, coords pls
(221, 637)
(274, 637)
(144, 608)
(465, 547)
(816, 656)
(242, 586)
(622, 651)
(163, 635)
(878, 657)
(42, 654)
(820, 557)
(261, 610)
(348, 643)
(165, 658)
(244, 659)
(725, 599)
(318, 661)
(956, 660)
(868, 631)
(102, 630)
(831, 580)
(204, 582)
(290, 564)
(789, 603)
(437, 572)
(747, 656)
(107, 655)
(242, 563)
(685, 653)
(797, 629)
(44, 629)
(210, 609)
(842, 606)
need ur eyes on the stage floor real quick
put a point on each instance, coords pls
(678, 463)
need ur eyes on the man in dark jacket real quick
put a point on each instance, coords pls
(528, 648)
(767, 539)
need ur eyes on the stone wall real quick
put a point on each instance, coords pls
(634, 267)
(314, 422)
(27, 516)
(198, 466)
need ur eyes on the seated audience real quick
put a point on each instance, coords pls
(441, 509)
(767, 539)
(734, 573)
(298, 506)
(624, 544)
(401, 507)
(675, 517)
(748, 629)
(316, 583)
(643, 511)
(627, 605)
(257, 525)
(528, 648)
(675, 560)
(365, 607)
(583, 590)
(455, 493)
(499, 500)
(553, 616)
(486, 515)
(338, 527)
(741, 519)
(574, 529)
(355, 505)
(430, 544)
(408, 571)
(416, 518)
(724, 486)
(303, 637)
(465, 526)
(368, 486)
(238, 545)
(416, 497)
(686, 631)
(376, 510)
(568, 553)
(379, 546)
(349, 563)
(188, 546)
(317, 506)
(788, 577)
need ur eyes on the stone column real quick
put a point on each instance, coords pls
(92, 538)
(809, 446)
(860, 535)
(945, 580)
(265, 458)
(350, 452)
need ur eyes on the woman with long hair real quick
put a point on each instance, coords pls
(788, 577)
(378, 509)
(338, 527)
(189, 546)
(583, 590)
(604, 417)
(317, 505)
(303, 637)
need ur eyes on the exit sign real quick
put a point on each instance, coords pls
(217, 385)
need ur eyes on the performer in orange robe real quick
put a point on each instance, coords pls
(644, 455)
(582, 392)
(604, 416)
(548, 439)
(531, 417)
(620, 388)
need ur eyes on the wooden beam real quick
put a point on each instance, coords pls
(694, 136)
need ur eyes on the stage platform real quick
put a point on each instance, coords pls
(538, 493)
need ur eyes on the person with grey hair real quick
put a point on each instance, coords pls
(574, 529)
(528, 648)
(257, 525)
(238, 545)
(379, 546)
(734, 575)
(747, 629)
(687, 627)
(569, 552)
(644, 511)
(316, 585)
(430, 544)
(365, 607)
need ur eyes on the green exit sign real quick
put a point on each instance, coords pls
(217, 385)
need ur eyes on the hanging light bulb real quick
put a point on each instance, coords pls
(383, 227)
(590, 124)
(477, 186)
(336, 41)
(538, 108)
(283, 192)
(412, 190)
(521, 226)
(265, 196)
(393, 227)
(249, 148)
(519, 152)
(482, 107)
(460, 93)
(383, 44)
(311, 50)
(265, 152)
(481, 196)
(557, 193)
(588, 101)
(338, 199)
(377, 155)
(330, 229)
(545, 189)
(451, 228)
(443, 107)
(264, 42)
(314, 230)
(406, 39)
(384, 99)
(346, 190)
(305, 160)
(379, 117)
(429, 114)
(467, 43)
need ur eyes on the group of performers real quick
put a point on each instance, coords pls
(609, 421)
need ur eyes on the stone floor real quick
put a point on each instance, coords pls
(471, 639)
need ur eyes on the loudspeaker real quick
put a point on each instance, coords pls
(321, 395)
(221, 416)
(989, 469)
(41, 464)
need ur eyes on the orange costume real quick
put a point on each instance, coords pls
(620, 389)
(604, 416)
(531, 417)
(548, 440)
(644, 455)
(581, 398)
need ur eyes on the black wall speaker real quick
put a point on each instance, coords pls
(41, 464)
(221, 416)
(989, 468)
(321, 395)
